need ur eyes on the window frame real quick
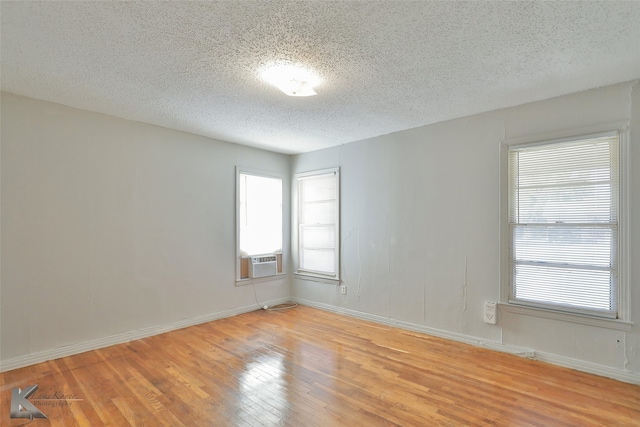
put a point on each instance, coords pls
(281, 270)
(622, 321)
(310, 274)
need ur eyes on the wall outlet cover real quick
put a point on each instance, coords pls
(490, 312)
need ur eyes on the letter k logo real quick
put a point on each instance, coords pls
(21, 407)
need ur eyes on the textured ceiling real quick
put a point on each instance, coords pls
(386, 66)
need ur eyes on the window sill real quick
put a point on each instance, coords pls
(601, 322)
(314, 278)
(242, 282)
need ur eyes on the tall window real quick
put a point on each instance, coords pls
(563, 225)
(318, 223)
(259, 217)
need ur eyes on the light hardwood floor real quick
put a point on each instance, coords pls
(306, 367)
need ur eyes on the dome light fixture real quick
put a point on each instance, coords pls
(292, 79)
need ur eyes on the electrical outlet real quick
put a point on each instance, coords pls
(343, 289)
(490, 312)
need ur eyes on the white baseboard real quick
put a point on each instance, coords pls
(567, 362)
(592, 368)
(580, 365)
(43, 356)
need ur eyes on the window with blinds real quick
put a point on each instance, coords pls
(563, 225)
(318, 223)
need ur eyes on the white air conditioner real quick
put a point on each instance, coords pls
(261, 266)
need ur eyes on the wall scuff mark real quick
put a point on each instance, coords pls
(359, 269)
(627, 350)
(464, 287)
(630, 97)
(343, 271)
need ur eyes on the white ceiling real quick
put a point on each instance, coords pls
(386, 66)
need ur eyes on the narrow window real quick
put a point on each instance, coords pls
(259, 219)
(318, 223)
(563, 225)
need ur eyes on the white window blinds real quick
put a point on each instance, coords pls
(563, 220)
(318, 223)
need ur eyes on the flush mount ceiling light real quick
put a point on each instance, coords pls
(292, 79)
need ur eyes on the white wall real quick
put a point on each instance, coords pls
(112, 228)
(420, 212)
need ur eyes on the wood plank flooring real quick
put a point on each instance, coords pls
(306, 367)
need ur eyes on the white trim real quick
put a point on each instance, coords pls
(542, 143)
(317, 173)
(622, 128)
(582, 132)
(259, 172)
(624, 221)
(267, 174)
(504, 249)
(295, 237)
(70, 350)
(601, 322)
(467, 339)
(250, 281)
(314, 278)
(567, 362)
(591, 368)
(440, 333)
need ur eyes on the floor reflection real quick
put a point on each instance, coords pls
(263, 390)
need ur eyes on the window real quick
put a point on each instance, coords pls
(563, 200)
(259, 218)
(318, 223)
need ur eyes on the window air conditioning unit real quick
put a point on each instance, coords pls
(261, 266)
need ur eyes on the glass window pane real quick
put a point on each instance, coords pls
(318, 237)
(318, 212)
(322, 261)
(260, 214)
